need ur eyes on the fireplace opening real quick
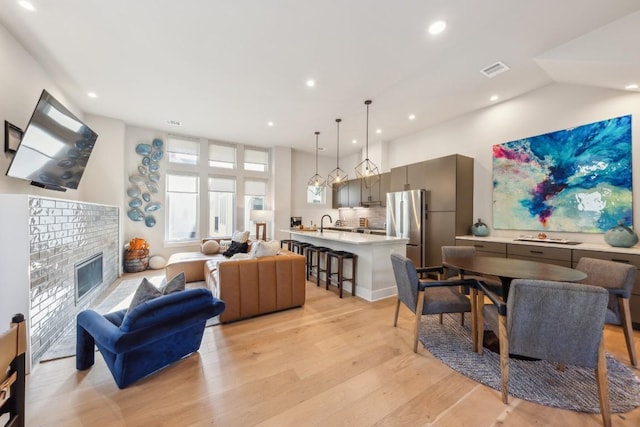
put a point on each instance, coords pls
(88, 275)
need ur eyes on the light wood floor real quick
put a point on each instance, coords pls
(333, 362)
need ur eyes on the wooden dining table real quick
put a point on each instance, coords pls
(506, 269)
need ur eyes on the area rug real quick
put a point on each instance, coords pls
(118, 299)
(536, 381)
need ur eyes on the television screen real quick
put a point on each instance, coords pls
(55, 147)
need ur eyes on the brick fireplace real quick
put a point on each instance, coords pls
(50, 238)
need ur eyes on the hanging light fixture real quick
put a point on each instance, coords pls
(337, 178)
(316, 182)
(367, 170)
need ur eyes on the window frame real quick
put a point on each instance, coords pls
(196, 237)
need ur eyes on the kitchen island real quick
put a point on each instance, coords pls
(374, 277)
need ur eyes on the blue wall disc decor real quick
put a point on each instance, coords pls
(145, 183)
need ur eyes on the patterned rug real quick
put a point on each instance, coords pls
(118, 299)
(536, 381)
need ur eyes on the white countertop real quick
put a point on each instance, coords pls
(349, 237)
(603, 247)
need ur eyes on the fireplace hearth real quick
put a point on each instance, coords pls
(88, 276)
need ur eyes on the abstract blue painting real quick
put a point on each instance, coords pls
(572, 180)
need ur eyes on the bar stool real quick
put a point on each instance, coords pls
(300, 248)
(287, 242)
(318, 251)
(340, 256)
(295, 246)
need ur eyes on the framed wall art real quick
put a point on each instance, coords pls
(12, 137)
(572, 180)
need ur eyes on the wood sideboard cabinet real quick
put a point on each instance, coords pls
(485, 248)
(566, 256)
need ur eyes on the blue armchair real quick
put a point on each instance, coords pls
(151, 336)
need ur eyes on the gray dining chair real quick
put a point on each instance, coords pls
(491, 282)
(546, 320)
(427, 297)
(618, 279)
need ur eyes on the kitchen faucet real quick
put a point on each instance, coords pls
(322, 220)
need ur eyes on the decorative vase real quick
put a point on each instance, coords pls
(480, 229)
(621, 236)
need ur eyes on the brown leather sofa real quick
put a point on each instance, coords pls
(248, 287)
(254, 286)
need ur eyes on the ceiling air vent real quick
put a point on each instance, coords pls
(494, 69)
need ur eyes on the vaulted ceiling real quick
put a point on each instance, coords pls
(225, 69)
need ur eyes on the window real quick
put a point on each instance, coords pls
(255, 194)
(222, 156)
(316, 195)
(222, 204)
(256, 159)
(182, 207)
(182, 150)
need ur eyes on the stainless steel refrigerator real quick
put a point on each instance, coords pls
(406, 217)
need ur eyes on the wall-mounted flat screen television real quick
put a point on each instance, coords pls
(55, 147)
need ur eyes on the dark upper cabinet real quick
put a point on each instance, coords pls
(355, 192)
(341, 197)
(398, 179)
(376, 194)
(449, 184)
(385, 187)
(370, 195)
(416, 173)
(409, 177)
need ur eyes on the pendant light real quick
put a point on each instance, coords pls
(316, 182)
(337, 178)
(367, 170)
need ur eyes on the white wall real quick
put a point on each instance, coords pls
(280, 188)
(104, 176)
(303, 166)
(554, 107)
(153, 235)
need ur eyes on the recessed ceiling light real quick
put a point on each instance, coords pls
(494, 98)
(270, 124)
(174, 122)
(27, 5)
(378, 130)
(437, 27)
(632, 86)
(311, 83)
(355, 141)
(92, 95)
(412, 116)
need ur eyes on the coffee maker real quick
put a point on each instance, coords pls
(296, 221)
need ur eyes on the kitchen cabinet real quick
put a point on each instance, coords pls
(355, 193)
(340, 197)
(449, 184)
(548, 255)
(408, 177)
(495, 249)
(376, 194)
(440, 231)
(385, 187)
